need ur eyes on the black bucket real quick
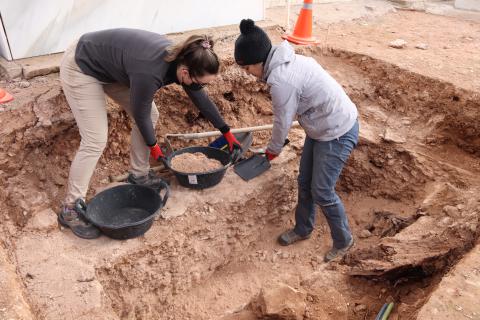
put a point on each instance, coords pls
(126, 211)
(201, 180)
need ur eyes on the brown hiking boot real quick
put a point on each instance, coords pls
(150, 180)
(70, 218)
(289, 237)
(335, 253)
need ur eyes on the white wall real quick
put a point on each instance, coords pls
(38, 27)
(276, 3)
(4, 49)
(468, 4)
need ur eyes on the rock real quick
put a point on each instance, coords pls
(24, 84)
(472, 227)
(280, 301)
(31, 72)
(365, 234)
(422, 46)
(360, 308)
(10, 69)
(445, 221)
(398, 44)
(88, 275)
(391, 136)
(451, 211)
(45, 220)
(40, 65)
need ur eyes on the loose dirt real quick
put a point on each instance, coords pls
(195, 163)
(410, 188)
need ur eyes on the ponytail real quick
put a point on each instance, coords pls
(197, 54)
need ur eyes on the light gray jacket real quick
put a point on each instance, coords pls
(300, 87)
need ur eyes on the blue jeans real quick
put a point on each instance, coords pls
(320, 166)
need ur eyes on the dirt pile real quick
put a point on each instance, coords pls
(195, 163)
(311, 300)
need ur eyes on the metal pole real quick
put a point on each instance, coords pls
(199, 135)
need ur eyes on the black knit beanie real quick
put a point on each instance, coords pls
(252, 45)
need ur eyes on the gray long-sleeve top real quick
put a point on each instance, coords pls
(135, 58)
(301, 88)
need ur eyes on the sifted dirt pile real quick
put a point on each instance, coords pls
(195, 163)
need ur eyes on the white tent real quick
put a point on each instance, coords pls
(38, 27)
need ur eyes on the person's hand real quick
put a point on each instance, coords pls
(156, 153)
(270, 155)
(232, 141)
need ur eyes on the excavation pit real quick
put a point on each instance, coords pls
(410, 190)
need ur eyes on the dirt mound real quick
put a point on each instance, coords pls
(422, 248)
(282, 302)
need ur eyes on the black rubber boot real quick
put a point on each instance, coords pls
(70, 218)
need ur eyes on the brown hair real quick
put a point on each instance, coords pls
(197, 54)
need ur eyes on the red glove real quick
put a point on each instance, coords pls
(232, 141)
(270, 156)
(155, 152)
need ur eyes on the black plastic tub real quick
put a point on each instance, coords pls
(201, 180)
(126, 211)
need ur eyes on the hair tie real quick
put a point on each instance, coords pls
(206, 44)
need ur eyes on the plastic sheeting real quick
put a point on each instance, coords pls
(36, 27)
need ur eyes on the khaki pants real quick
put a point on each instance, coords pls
(86, 97)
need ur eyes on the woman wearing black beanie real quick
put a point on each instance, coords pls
(301, 88)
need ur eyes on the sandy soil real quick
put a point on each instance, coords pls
(452, 43)
(411, 190)
(457, 294)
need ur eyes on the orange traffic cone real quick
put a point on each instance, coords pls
(5, 96)
(302, 34)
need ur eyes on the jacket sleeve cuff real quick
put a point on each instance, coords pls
(153, 144)
(224, 129)
(275, 149)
